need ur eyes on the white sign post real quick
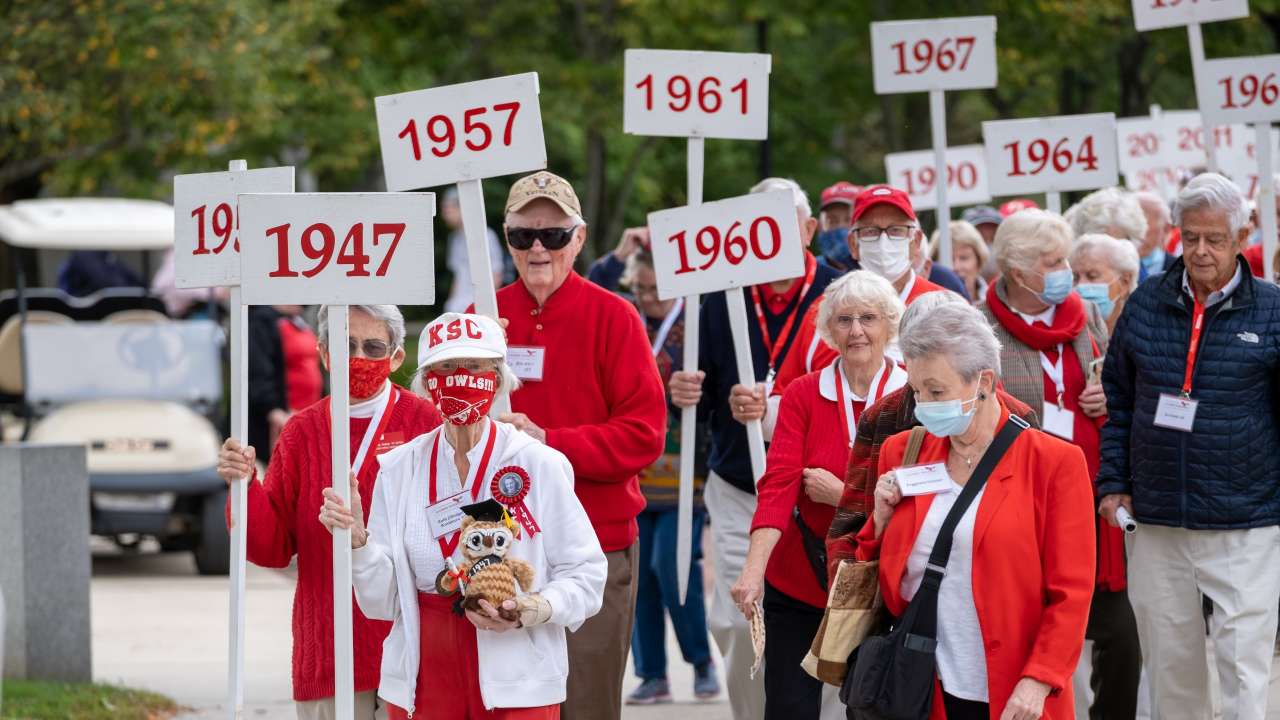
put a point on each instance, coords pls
(1051, 155)
(935, 56)
(1247, 89)
(463, 134)
(695, 95)
(338, 249)
(915, 173)
(1156, 14)
(206, 254)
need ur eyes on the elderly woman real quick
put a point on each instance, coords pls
(281, 508)
(509, 661)
(786, 563)
(1014, 596)
(1110, 211)
(1106, 271)
(969, 254)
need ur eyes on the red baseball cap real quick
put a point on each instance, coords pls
(842, 192)
(873, 195)
(1014, 206)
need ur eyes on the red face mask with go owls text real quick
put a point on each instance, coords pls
(461, 396)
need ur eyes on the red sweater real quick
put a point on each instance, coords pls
(793, 448)
(282, 522)
(600, 400)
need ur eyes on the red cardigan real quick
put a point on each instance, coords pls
(282, 522)
(807, 435)
(600, 399)
(1033, 562)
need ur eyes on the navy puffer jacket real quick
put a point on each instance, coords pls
(1226, 472)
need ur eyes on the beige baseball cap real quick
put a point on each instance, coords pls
(543, 184)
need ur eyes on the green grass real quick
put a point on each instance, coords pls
(30, 700)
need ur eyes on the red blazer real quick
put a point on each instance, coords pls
(1033, 562)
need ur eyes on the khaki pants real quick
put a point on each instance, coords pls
(1169, 569)
(366, 702)
(731, 511)
(598, 650)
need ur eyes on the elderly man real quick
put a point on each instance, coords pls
(590, 390)
(1193, 386)
(1151, 252)
(834, 217)
(282, 509)
(727, 405)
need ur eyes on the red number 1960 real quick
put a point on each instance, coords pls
(709, 244)
(441, 132)
(318, 242)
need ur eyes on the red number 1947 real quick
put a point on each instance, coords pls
(318, 243)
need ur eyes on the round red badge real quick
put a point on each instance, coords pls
(510, 486)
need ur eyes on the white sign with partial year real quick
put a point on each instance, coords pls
(1240, 90)
(468, 131)
(1155, 14)
(966, 176)
(337, 248)
(1240, 163)
(206, 246)
(1054, 154)
(945, 54)
(747, 240)
(683, 93)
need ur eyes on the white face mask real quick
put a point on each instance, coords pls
(885, 257)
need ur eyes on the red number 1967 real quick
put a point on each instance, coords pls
(318, 242)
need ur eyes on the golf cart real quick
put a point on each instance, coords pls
(111, 371)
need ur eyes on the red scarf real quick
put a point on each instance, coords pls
(1068, 321)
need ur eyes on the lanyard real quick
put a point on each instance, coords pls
(848, 418)
(774, 350)
(448, 546)
(906, 289)
(377, 426)
(1054, 371)
(667, 323)
(1197, 324)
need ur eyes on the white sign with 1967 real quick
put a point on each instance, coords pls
(945, 54)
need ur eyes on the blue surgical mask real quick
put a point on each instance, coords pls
(834, 246)
(1057, 286)
(946, 417)
(1099, 294)
(1154, 262)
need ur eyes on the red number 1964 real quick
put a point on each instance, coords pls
(318, 242)
(1039, 154)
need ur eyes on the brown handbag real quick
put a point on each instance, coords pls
(854, 605)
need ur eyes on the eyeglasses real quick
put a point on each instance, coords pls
(871, 233)
(845, 322)
(552, 238)
(1215, 241)
(372, 349)
(470, 365)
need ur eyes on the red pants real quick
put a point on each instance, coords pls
(448, 671)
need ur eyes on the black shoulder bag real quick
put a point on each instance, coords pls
(893, 674)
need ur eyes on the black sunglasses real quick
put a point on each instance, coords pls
(552, 238)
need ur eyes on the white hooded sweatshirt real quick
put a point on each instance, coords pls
(525, 667)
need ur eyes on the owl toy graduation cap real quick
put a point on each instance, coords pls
(488, 532)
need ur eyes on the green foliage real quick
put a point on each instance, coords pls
(32, 700)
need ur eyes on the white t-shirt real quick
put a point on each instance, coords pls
(462, 293)
(962, 660)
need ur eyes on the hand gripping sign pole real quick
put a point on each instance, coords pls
(470, 131)
(338, 249)
(935, 56)
(1247, 89)
(206, 254)
(696, 95)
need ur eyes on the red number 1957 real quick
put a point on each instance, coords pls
(440, 130)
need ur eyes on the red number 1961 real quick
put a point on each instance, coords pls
(441, 132)
(318, 242)
(681, 93)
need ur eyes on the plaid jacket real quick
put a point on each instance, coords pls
(894, 413)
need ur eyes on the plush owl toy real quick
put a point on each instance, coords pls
(487, 535)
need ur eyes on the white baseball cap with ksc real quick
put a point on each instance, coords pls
(461, 335)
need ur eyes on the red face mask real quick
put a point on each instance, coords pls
(367, 376)
(461, 396)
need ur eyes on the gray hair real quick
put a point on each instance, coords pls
(389, 315)
(925, 304)
(1211, 191)
(1119, 254)
(797, 192)
(1108, 208)
(635, 261)
(860, 287)
(507, 380)
(1146, 197)
(1024, 237)
(957, 332)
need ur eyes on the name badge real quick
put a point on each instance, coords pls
(445, 517)
(1176, 412)
(526, 361)
(1058, 421)
(922, 479)
(390, 441)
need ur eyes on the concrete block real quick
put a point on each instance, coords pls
(45, 565)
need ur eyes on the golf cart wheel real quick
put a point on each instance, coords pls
(213, 553)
